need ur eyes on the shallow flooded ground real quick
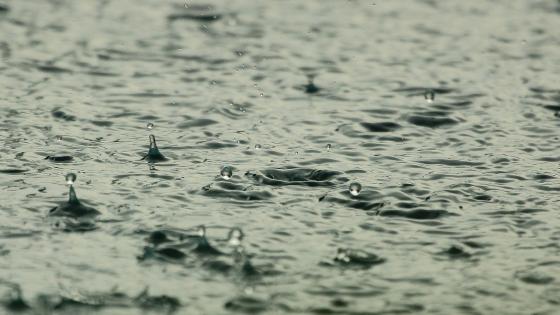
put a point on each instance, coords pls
(445, 113)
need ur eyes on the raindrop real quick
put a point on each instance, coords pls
(150, 126)
(429, 95)
(58, 138)
(235, 236)
(262, 94)
(258, 146)
(70, 178)
(201, 231)
(328, 146)
(355, 188)
(226, 172)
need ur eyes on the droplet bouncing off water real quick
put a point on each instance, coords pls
(429, 95)
(355, 188)
(70, 178)
(235, 236)
(226, 172)
(150, 126)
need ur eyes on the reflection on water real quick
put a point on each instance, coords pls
(312, 157)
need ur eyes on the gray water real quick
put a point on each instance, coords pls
(458, 212)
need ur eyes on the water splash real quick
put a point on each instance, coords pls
(70, 178)
(153, 152)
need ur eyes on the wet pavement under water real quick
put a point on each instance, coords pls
(444, 112)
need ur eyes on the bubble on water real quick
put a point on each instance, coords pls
(429, 95)
(355, 188)
(258, 146)
(235, 236)
(226, 172)
(328, 146)
(150, 126)
(70, 178)
(58, 138)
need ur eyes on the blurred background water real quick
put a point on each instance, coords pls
(446, 114)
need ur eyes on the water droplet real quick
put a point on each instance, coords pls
(355, 188)
(226, 172)
(258, 146)
(328, 146)
(201, 231)
(235, 236)
(70, 178)
(58, 138)
(150, 126)
(262, 94)
(429, 95)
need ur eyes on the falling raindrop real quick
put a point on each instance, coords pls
(226, 172)
(150, 126)
(258, 146)
(70, 178)
(328, 146)
(58, 138)
(355, 188)
(429, 95)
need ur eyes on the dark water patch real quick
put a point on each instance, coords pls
(215, 145)
(12, 171)
(234, 192)
(432, 121)
(450, 162)
(550, 159)
(547, 188)
(515, 212)
(456, 252)
(419, 91)
(247, 305)
(59, 158)
(293, 176)
(169, 254)
(13, 300)
(4, 8)
(97, 73)
(543, 177)
(57, 113)
(366, 200)
(534, 278)
(211, 17)
(102, 123)
(482, 197)
(381, 126)
(418, 214)
(53, 69)
(200, 122)
(162, 303)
